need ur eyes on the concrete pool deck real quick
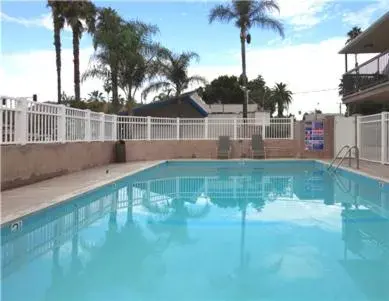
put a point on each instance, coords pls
(24, 200)
(18, 202)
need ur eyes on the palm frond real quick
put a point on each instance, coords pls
(223, 13)
(264, 7)
(196, 79)
(267, 22)
(155, 87)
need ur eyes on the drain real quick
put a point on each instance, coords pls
(16, 226)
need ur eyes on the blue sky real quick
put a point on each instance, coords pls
(311, 27)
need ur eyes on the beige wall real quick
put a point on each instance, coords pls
(21, 165)
(207, 149)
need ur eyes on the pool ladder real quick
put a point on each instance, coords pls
(348, 152)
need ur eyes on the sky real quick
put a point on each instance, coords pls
(307, 59)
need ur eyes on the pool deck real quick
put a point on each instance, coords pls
(28, 199)
(375, 170)
(24, 200)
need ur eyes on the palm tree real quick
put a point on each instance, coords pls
(80, 16)
(173, 73)
(96, 95)
(162, 96)
(107, 42)
(57, 10)
(247, 14)
(138, 61)
(352, 34)
(282, 96)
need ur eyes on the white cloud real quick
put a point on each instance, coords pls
(364, 17)
(304, 67)
(27, 73)
(303, 14)
(44, 21)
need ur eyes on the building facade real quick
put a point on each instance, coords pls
(365, 88)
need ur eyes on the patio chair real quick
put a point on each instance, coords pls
(257, 147)
(224, 147)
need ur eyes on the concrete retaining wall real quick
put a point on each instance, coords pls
(26, 164)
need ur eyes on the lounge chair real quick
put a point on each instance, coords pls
(224, 147)
(257, 147)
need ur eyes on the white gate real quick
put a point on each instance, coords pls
(373, 137)
(344, 132)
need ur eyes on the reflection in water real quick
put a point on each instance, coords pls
(212, 234)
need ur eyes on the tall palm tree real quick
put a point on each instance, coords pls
(282, 96)
(352, 34)
(107, 42)
(173, 73)
(80, 16)
(137, 63)
(247, 14)
(57, 11)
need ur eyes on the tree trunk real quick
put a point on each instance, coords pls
(129, 95)
(243, 52)
(115, 93)
(76, 60)
(57, 44)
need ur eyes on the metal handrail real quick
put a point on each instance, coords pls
(337, 155)
(349, 158)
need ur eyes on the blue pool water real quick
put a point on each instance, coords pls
(211, 231)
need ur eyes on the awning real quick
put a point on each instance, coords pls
(374, 39)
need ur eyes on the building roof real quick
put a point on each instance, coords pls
(191, 97)
(374, 39)
(198, 103)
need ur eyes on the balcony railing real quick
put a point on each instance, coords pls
(367, 75)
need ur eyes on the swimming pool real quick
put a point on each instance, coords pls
(212, 230)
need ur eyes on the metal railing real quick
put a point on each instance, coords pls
(371, 73)
(23, 121)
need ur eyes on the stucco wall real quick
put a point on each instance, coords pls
(21, 165)
(161, 150)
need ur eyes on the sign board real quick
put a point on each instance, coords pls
(314, 135)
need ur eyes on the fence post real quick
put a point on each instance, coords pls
(102, 127)
(383, 138)
(206, 128)
(236, 129)
(114, 127)
(358, 132)
(263, 127)
(87, 126)
(62, 124)
(178, 128)
(21, 129)
(291, 127)
(148, 128)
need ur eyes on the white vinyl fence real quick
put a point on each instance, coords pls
(373, 137)
(23, 121)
